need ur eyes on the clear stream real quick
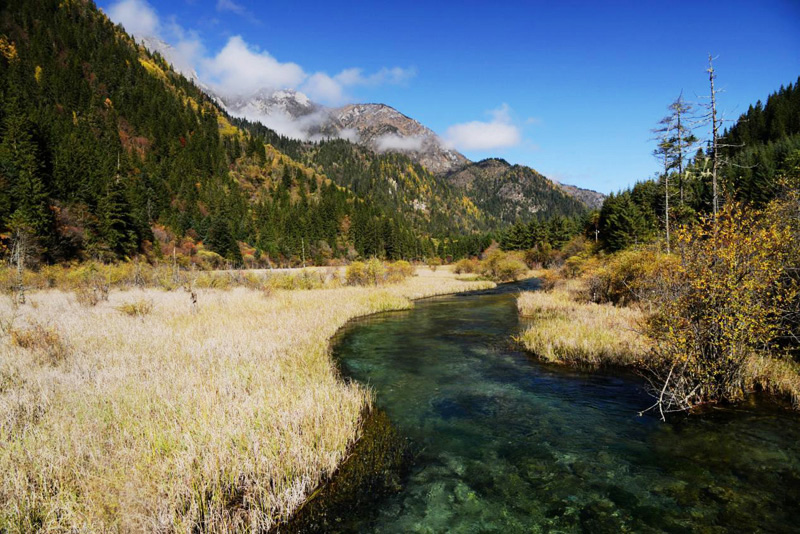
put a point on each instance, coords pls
(507, 444)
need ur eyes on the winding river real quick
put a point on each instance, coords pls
(506, 444)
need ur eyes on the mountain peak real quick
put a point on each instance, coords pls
(375, 125)
(383, 128)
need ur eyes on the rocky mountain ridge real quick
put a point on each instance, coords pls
(512, 192)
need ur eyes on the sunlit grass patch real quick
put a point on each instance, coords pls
(43, 341)
(779, 377)
(566, 330)
(136, 308)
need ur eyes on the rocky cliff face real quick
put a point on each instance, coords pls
(592, 199)
(383, 128)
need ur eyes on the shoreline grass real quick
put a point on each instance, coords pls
(565, 328)
(219, 416)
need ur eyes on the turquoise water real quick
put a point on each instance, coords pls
(506, 444)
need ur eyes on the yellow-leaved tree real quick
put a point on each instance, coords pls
(727, 300)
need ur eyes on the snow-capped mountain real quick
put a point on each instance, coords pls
(267, 102)
(378, 126)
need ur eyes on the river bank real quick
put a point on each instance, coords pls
(213, 409)
(563, 326)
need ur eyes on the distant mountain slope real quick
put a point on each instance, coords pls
(511, 192)
(376, 126)
(591, 199)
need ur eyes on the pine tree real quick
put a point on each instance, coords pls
(621, 222)
(21, 164)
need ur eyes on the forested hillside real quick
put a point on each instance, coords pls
(513, 192)
(764, 145)
(106, 153)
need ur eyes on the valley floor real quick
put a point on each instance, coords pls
(147, 413)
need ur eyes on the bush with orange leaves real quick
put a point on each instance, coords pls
(726, 302)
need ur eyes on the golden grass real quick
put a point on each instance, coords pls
(136, 308)
(564, 330)
(220, 417)
(780, 378)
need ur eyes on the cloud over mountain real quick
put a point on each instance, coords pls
(241, 68)
(499, 132)
(295, 102)
(137, 16)
(400, 143)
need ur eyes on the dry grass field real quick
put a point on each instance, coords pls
(146, 413)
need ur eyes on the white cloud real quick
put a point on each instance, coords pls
(187, 49)
(186, 53)
(333, 89)
(393, 141)
(354, 76)
(230, 5)
(136, 16)
(499, 132)
(323, 88)
(351, 134)
(284, 124)
(239, 69)
(237, 8)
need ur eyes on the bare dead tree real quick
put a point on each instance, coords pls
(663, 153)
(715, 120)
(714, 136)
(683, 137)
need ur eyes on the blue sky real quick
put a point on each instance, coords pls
(570, 88)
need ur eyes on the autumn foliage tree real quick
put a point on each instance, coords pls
(726, 301)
